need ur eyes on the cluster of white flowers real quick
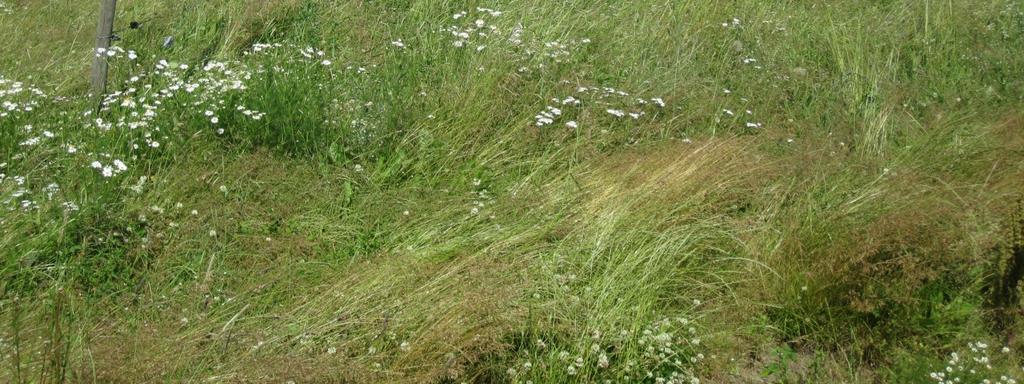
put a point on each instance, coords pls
(752, 62)
(359, 118)
(116, 167)
(665, 351)
(1007, 25)
(36, 137)
(671, 348)
(137, 108)
(21, 195)
(537, 55)
(16, 97)
(5, 9)
(28, 188)
(481, 198)
(473, 29)
(732, 24)
(745, 118)
(306, 54)
(973, 365)
(616, 103)
(115, 52)
(260, 48)
(131, 119)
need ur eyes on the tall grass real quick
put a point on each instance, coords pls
(647, 191)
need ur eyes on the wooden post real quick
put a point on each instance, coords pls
(104, 30)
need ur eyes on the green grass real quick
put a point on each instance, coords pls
(829, 194)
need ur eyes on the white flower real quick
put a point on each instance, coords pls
(325, 62)
(572, 124)
(616, 112)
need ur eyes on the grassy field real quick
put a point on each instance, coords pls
(650, 191)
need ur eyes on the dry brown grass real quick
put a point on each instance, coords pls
(717, 170)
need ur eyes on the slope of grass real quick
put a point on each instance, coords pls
(530, 191)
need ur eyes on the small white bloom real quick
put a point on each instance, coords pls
(602, 361)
